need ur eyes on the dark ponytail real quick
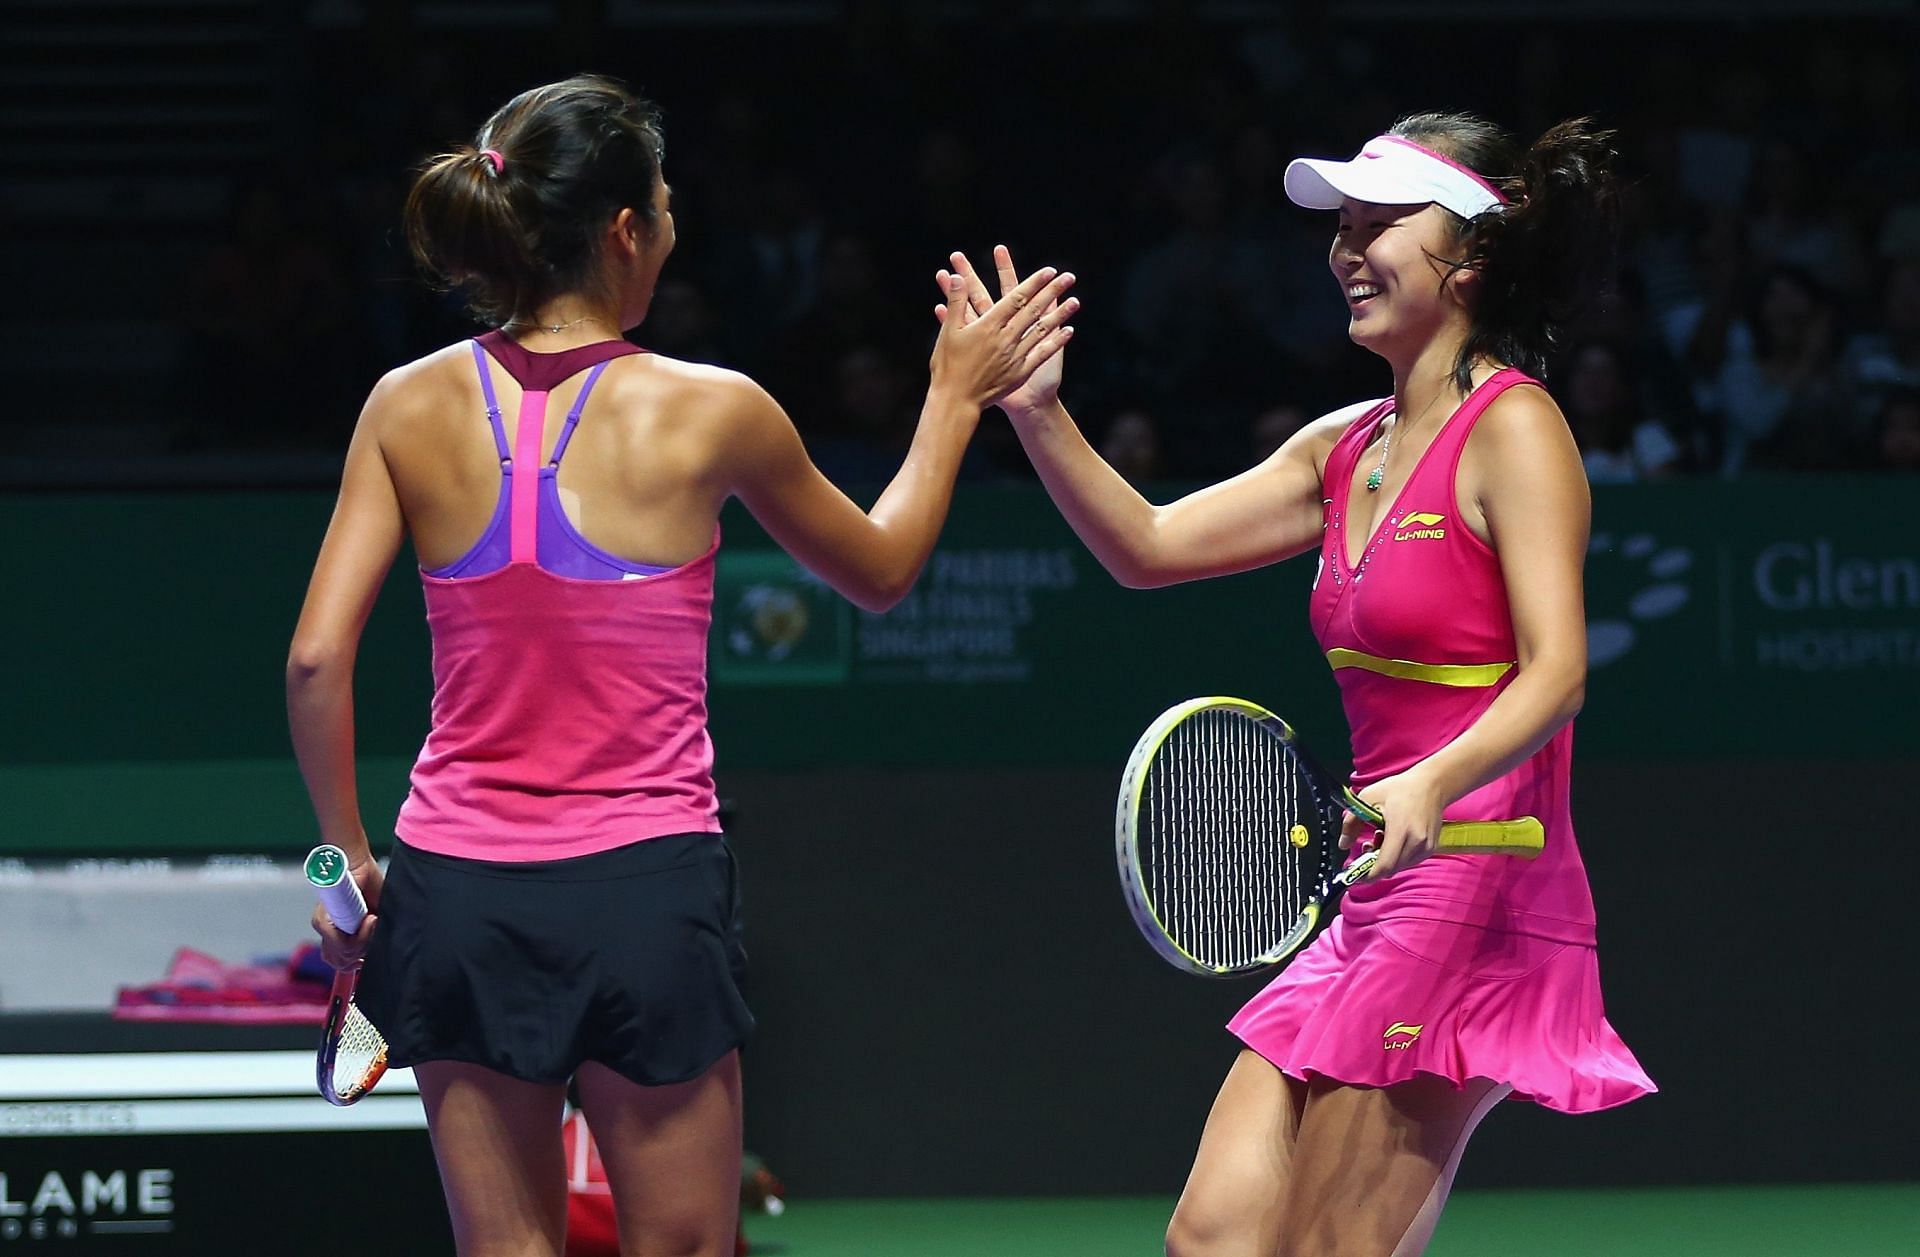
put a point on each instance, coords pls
(515, 218)
(1544, 254)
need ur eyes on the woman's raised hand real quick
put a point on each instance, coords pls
(990, 350)
(1040, 388)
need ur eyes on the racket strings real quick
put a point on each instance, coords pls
(361, 1056)
(1225, 805)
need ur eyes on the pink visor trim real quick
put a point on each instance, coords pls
(1391, 171)
(1474, 175)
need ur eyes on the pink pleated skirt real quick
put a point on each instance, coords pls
(1372, 1005)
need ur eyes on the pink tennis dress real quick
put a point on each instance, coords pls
(1464, 966)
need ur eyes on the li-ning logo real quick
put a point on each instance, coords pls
(1421, 526)
(1405, 1033)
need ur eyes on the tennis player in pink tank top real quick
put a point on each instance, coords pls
(1451, 521)
(559, 905)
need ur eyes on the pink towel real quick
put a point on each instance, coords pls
(204, 988)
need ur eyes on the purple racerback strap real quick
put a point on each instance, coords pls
(493, 403)
(573, 415)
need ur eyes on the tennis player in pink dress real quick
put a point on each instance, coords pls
(560, 904)
(1451, 522)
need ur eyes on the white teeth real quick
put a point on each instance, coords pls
(1357, 291)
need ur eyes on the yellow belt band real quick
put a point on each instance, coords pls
(1468, 675)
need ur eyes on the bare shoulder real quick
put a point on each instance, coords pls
(718, 394)
(1331, 426)
(1523, 426)
(721, 386)
(1521, 463)
(410, 393)
(1316, 440)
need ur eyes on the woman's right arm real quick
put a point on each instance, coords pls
(873, 557)
(361, 542)
(1261, 516)
(1265, 514)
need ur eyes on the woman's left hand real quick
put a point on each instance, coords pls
(1040, 389)
(993, 352)
(1411, 804)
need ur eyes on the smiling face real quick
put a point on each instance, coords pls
(1388, 261)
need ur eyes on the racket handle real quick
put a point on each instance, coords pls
(1522, 836)
(1361, 866)
(335, 887)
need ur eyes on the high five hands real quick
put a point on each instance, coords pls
(1041, 387)
(990, 349)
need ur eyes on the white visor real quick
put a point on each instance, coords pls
(1391, 171)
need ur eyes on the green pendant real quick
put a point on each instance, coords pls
(1375, 476)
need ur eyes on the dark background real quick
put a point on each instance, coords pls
(201, 209)
(200, 205)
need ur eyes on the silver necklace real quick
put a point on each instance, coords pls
(1378, 475)
(554, 327)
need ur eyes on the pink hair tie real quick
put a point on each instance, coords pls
(493, 155)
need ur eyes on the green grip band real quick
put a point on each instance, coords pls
(326, 866)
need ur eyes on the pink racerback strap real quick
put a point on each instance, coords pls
(524, 508)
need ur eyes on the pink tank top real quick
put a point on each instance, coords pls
(569, 714)
(1421, 641)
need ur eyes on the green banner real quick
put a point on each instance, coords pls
(1776, 615)
(1724, 618)
(1015, 647)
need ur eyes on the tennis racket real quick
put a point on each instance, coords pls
(1228, 837)
(352, 1054)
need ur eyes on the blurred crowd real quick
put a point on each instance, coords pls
(1765, 314)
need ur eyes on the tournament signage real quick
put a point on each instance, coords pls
(1716, 603)
(1015, 647)
(68, 1204)
(1849, 612)
(967, 621)
(194, 1153)
(1702, 597)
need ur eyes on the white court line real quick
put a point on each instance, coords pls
(129, 1075)
(198, 1117)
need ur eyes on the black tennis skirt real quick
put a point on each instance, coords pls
(629, 957)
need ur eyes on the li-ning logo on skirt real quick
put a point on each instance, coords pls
(1400, 1035)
